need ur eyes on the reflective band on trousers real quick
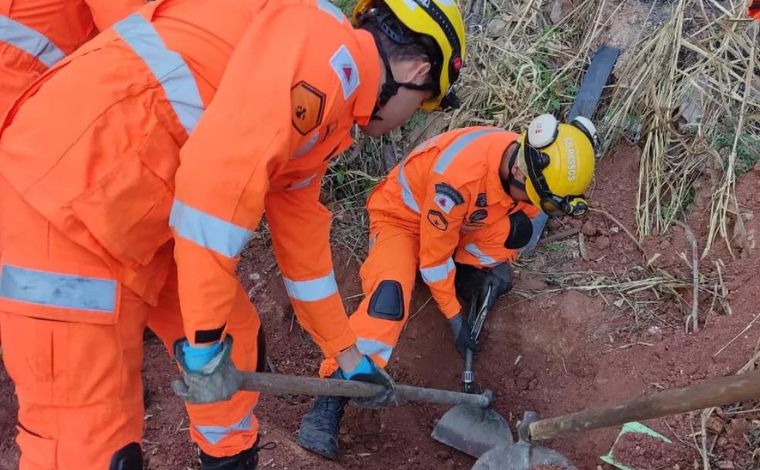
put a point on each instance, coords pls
(208, 231)
(437, 273)
(58, 290)
(214, 434)
(459, 144)
(406, 191)
(167, 66)
(483, 258)
(313, 289)
(30, 41)
(373, 347)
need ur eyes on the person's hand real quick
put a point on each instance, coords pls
(208, 374)
(462, 335)
(499, 279)
(367, 371)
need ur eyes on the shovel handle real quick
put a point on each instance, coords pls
(280, 384)
(715, 392)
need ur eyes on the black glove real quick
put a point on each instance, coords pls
(499, 279)
(367, 371)
(462, 335)
(215, 381)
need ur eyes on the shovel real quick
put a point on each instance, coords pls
(523, 455)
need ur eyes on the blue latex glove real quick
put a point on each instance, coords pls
(196, 357)
(367, 371)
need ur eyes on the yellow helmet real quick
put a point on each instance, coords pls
(442, 21)
(558, 160)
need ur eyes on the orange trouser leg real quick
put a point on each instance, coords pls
(230, 427)
(78, 383)
(390, 267)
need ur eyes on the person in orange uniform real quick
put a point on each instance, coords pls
(135, 171)
(35, 34)
(465, 197)
(754, 9)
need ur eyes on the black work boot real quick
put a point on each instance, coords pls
(246, 460)
(319, 428)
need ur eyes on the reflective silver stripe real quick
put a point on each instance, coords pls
(483, 258)
(58, 290)
(30, 41)
(372, 347)
(406, 191)
(214, 434)
(305, 148)
(331, 9)
(208, 231)
(445, 159)
(311, 290)
(437, 273)
(301, 184)
(167, 66)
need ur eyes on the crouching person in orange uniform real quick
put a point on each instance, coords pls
(133, 174)
(35, 34)
(465, 197)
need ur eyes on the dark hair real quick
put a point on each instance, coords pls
(400, 42)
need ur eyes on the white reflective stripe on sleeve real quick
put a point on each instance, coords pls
(167, 66)
(312, 290)
(437, 273)
(483, 258)
(459, 144)
(214, 434)
(406, 191)
(208, 231)
(373, 347)
(30, 41)
(331, 10)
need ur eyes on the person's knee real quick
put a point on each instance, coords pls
(128, 457)
(387, 302)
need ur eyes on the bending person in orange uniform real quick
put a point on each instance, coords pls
(464, 197)
(134, 173)
(35, 34)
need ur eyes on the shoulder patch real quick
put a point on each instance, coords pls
(308, 105)
(481, 201)
(446, 197)
(437, 220)
(345, 68)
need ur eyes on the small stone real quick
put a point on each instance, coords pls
(603, 243)
(722, 441)
(254, 276)
(664, 245)
(442, 454)
(496, 27)
(726, 465)
(655, 333)
(588, 229)
(714, 424)
(737, 428)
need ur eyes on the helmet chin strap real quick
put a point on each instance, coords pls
(390, 86)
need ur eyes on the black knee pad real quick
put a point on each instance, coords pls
(128, 457)
(387, 302)
(520, 230)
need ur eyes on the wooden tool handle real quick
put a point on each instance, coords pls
(715, 392)
(279, 384)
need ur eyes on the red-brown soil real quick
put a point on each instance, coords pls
(552, 352)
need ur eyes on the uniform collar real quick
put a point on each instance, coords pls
(370, 70)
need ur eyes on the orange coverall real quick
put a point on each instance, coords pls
(754, 9)
(35, 34)
(105, 197)
(444, 203)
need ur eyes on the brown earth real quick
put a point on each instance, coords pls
(549, 350)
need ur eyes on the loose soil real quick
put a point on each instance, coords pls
(549, 350)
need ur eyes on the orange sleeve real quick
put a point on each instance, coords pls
(443, 211)
(243, 138)
(300, 227)
(107, 12)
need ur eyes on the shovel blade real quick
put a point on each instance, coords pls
(472, 430)
(522, 456)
